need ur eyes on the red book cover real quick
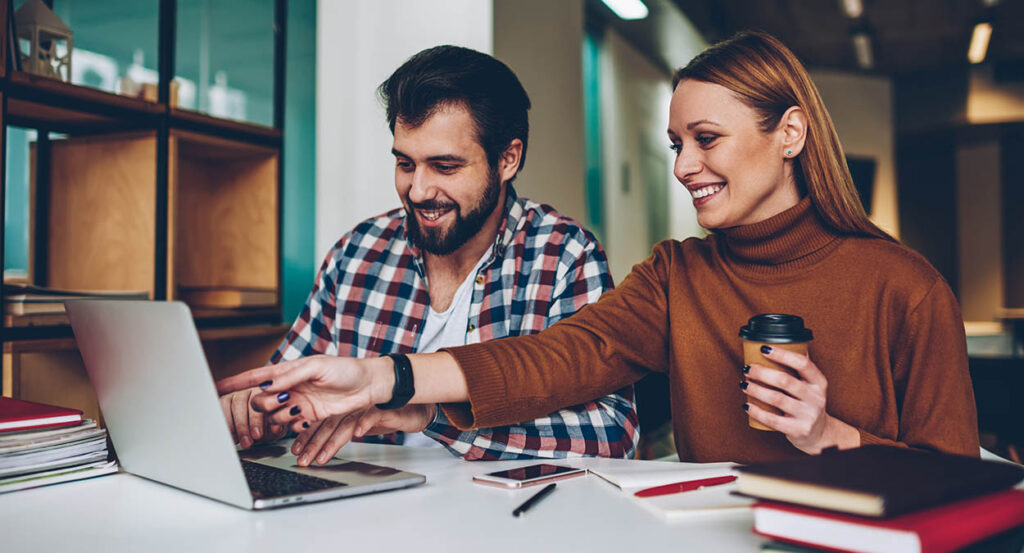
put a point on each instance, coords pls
(17, 415)
(936, 530)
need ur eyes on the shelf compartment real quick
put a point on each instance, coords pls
(102, 201)
(188, 120)
(224, 219)
(41, 102)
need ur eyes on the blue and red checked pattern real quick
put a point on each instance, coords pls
(370, 299)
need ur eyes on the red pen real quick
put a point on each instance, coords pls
(687, 486)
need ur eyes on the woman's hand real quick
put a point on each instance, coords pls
(297, 393)
(322, 440)
(804, 419)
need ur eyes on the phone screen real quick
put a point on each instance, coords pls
(531, 472)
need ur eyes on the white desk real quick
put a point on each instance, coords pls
(449, 513)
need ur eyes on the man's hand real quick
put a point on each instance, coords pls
(297, 393)
(247, 425)
(322, 440)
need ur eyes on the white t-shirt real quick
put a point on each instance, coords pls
(445, 330)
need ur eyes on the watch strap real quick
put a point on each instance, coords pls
(403, 389)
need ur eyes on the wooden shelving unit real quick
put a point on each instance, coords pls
(130, 194)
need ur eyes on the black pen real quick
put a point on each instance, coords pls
(533, 500)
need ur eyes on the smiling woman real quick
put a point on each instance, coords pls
(731, 167)
(758, 152)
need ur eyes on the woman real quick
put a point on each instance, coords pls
(759, 154)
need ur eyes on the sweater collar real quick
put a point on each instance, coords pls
(795, 237)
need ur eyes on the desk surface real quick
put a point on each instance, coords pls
(449, 513)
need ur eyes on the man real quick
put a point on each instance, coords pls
(463, 261)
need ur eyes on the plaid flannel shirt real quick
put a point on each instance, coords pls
(370, 298)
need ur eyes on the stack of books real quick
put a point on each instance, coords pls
(884, 499)
(42, 444)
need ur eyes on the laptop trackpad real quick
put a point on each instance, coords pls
(352, 473)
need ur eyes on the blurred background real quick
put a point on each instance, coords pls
(927, 97)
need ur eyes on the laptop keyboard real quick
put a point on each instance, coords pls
(266, 481)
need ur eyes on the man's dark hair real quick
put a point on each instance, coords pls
(452, 75)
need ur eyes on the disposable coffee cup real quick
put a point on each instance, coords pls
(777, 330)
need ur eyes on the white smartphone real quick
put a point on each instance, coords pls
(528, 476)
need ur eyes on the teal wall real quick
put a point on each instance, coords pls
(299, 256)
(592, 128)
(16, 207)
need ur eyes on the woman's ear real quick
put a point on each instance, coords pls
(793, 127)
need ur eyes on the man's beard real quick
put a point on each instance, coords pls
(438, 241)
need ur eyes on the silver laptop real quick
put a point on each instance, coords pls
(163, 415)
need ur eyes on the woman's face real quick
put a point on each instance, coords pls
(736, 174)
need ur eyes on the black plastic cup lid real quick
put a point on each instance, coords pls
(776, 328)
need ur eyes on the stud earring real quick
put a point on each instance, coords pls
(789, 153)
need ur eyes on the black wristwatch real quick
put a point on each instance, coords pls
(403, 389)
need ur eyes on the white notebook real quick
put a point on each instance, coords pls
(631, 476)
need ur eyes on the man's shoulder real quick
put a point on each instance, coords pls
(542, 220)
(376, 233)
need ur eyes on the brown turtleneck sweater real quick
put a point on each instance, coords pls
(888, 337)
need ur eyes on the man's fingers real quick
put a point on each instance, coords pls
(240, 418)
(225, 405)
(255, 421)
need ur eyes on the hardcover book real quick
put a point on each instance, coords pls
(947, 527)
(876, 481)
(17, 414)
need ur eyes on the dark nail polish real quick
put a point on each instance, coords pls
(746, 369)
(766, 349)
(305, 425)
(265, 385)
(283, 397)
(743, 385)
(746, 406)
(295, 410)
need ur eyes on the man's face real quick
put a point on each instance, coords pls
(444, 180)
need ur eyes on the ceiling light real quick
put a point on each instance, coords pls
(862, 48)
(627, 9)
(979, 42)
(852, 8)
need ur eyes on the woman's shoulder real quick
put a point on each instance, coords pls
(900, 256)
(894, 263)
